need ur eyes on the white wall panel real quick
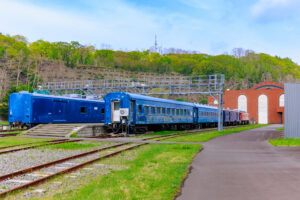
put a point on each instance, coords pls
(242, 103)
(281, 100)
(262, 109)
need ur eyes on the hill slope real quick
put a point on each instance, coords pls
(32, 63)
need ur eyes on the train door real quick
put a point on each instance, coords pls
(133, 110)
(115, 108)
(195, 115)
(59, 111)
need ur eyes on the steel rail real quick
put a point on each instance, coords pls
(5, 147)
(13, 130)
(9, 134)
(190, 132)
(40, 180)
(34, 146)
(37, 167)
(180, 134)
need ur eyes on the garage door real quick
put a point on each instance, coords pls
(262, 109)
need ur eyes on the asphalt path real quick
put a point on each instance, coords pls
(244, 166)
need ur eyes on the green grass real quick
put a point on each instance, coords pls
(206, 136)
(4, 123)
(158, 133)
(280, 129)
(12, 132)
(164, 133)
(8, 141)
(153, 171)
(71, 146)
(285, 142)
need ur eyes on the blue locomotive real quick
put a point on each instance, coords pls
(27, 109)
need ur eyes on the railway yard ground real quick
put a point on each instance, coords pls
(161, 165)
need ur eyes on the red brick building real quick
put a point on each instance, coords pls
(264, 102)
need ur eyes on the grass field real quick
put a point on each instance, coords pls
(77, 145)
(13, 132)
(4, 123)
(164, 133)
(153, 171)
(7, 141)
(70, 146)
(285, 142)
(280, 129)
(206, 136)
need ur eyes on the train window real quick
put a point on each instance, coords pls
(168, 111)
(158, 110)
(181, 112)
(153, 110)
(184, 111)
(102, 111)
(177, 111)
(146, 109)
(163, 110)
(173, 111)
(83, 110)
(116, 105)
(140, 108)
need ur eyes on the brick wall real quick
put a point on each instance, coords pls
(270, 89)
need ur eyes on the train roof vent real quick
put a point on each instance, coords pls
(92, 97)
(77, 96)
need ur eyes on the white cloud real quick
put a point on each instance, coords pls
(108, 23)
(270, 10)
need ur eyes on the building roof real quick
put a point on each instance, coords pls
(268, 85)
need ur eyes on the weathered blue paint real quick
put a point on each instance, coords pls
(29, 108)
(147, 110)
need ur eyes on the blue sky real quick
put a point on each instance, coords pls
(207, 26)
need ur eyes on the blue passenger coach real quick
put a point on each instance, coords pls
(144, 113)
(29, 109)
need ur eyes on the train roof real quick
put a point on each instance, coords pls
(58, 97)
(143, 97)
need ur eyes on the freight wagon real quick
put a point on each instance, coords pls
(29, 109)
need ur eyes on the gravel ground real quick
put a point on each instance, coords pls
(69, 181)
(28, 158)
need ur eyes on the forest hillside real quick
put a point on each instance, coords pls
(24, 64)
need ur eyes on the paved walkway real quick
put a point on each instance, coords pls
(244, 166)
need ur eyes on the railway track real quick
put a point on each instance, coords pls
(38, 145)
(34, 175)
(13, 130)
(24, 144)
(191, 132)
(9, 135)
